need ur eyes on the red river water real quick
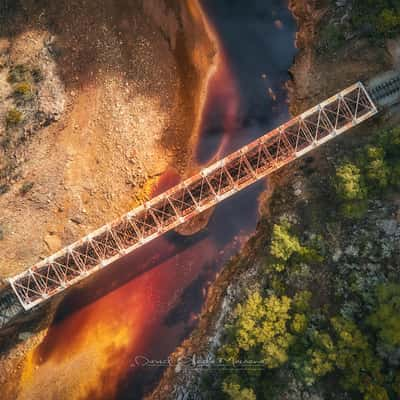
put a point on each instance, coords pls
(149, 301)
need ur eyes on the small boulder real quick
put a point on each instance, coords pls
(24, 336)
(53, 242)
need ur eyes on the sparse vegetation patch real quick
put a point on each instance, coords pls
(26, 187)
(18, 73)
(374, 170)
(23, 91)
(13, 117)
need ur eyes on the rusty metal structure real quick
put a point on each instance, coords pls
(210, 186)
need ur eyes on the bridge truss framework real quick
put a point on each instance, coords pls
(213, 184)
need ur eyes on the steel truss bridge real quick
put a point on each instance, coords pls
(210, 186)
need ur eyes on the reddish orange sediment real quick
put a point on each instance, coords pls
(166, 181)
(86, 354)
(223, 93)
(219, 89)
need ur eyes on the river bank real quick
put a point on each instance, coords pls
(93, 162)
(317, 73)
(62, 172)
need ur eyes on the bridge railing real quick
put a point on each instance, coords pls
(196, 194)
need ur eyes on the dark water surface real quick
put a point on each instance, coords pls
(258, 40)
(157, 292)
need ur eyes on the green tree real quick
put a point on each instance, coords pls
(396, 384)
(388, 22)
(377, 170)
(394, 145)
(395, 174)
(299, 323)
(273, 332)
(235, 392)
(301, 301)
(322, 355)
(381, 17)
(260, 327)
(389, 140)
(349, 182)
(375, 392)
(283, 243)
(386, 317)
(361, 369)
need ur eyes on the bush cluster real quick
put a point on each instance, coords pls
(26, 187)
(289, 333)
(375, 169)
(13, 117)
(378, 18)
(23, 80)
(18, 73)
(23, 91)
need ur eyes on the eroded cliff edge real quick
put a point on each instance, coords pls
(303, 196)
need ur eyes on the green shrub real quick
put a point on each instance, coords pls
(235, 392)
(23, 91)
(4, 188)
(386, 317)
(331, 38)
(26, 187)
(37, 74)
(349, 182)
(354, 209)
(283, 243)
(18, 73)
(13, 117)
(380, 18)
(388, 22)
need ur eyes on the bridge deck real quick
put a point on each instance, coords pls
(196, 194)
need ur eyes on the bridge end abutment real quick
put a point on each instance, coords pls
(384, 89)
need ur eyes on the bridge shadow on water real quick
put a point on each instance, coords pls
(174, 272)
(129, 267)
(157, 291)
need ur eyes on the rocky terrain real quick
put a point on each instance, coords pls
(89, 120)
(86, 111)
(75, 162)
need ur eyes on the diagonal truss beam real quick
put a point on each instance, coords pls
(196, 194)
